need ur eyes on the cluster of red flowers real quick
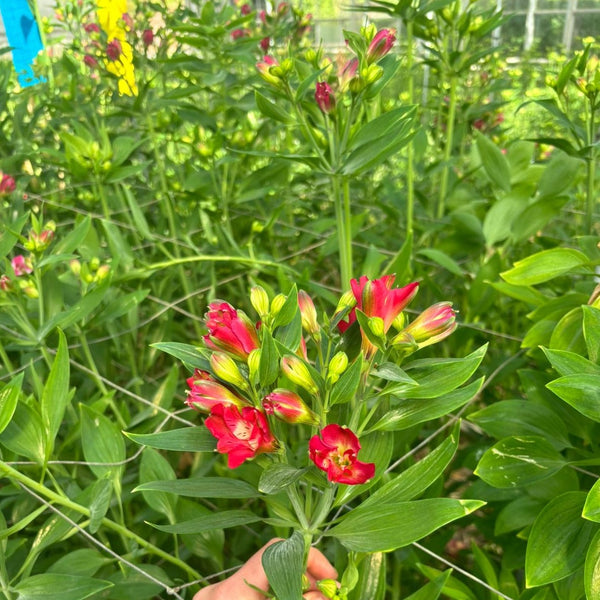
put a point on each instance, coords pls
(240, 421)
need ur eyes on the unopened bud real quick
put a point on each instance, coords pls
(260, 301)
(337, 365)
(277, 304)
(297, 372)
(254, 365)
(102, 272)
(28, 288)
(308, 313)
(225, 368)
(328, 587)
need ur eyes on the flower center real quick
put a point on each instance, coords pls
(242, 430)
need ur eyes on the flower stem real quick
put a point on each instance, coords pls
(448, 148)
(10, 473)
(591, 174)
(410, 181)
(342, 216)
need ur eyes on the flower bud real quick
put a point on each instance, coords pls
(277, 304)
(102, 272)
(324, 97)
(328, 587)
(308, 314)
(373, 74)
(432, 325)
(225, 368)
(297, 372)
(337, 365)
(7, 184)
(260, 301)
(75, 267)
(380, 45)
(5, 283)
(289, 407)
(205, 393)
(28, 288)
(311, 56)
(114, 50)
(266, 69)
(147, 37)
(254, 365)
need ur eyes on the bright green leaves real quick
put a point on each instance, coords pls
(545, 265)
(187, 439)
(494, 162)
(67, 587)
(390, 526)
(9, 396)
(517, 461)
(558, 541)
(286, 582)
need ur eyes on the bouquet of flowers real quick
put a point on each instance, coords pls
(313, 402)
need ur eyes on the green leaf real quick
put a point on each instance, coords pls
(102, 442)
(74, 239)
(288, 310)
(419, 410)
(202, 487)
(55, 396)
(516, 461)
(84, 561)
(392, 372)
(454, 588)
(137, 214)
(418, 477)
(400, 262)
(186, 353)
(568, 332)
(10, 234)
(277, 477)
(438, 376)
(581, 391)
(591, 331)
(558, 541)
(591, 574)
(79, 311)
(442, 259)
(536, 216)
(24, 435)
(70, 587)
(591, 510)
(9, 397)
(187, 439)
(271, 109)
(101, 494)
(433, 589)
(522, 417)
(494, 162)
(219, 520)
(558, 175)
(570, 363)
(268, 367)
(283, 563)
(387, 527)
(155, 466)
(518, 514)
(544, 266)
(346, 386)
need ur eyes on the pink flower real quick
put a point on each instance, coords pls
(377, 298)
(236, 34)
(245, 9)
(92, 28)
(230, 330)
(381, 45)
(262, 15)
(147, 37)
(324, 97)
(265, 44)
(7, 184)
(114, 50)
(5, 284)
(265, 67)
(206, 392)
(128, 20)
(432, 325)
(90, 61)
(289, 407)
(241, 435)
(21, 265)
(334, 451)
(347, 73)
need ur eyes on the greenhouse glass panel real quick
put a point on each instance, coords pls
(551, 4)
(588, 4)
(548, 31)
(586, 25)
(510, 6)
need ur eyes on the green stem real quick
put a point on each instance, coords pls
(344, 237)
(448, 148)
(294, 496)
(9, 472)
(591, 174)
(410, 181)
(5, 360)
(40, 24)
(100, 193)
(348, 230)
(323, 508)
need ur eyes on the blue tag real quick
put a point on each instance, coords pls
(23, 38)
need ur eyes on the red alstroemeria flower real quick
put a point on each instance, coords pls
(205, 393)
(241, 435)
(230, 330)
(324, 97)
(380, 45)
(334, 452)
(289, 407)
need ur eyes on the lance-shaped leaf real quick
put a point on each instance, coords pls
(387, 527)
(187, 439)
(9, 397)
(283, 563)
(201, 487)
(219, 520)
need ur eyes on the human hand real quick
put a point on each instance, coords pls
(236, 587)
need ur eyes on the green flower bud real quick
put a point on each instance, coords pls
(260, 301)
(328, 587)
(337, 365)
(277, 304)
(226, 369)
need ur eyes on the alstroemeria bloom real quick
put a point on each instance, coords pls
(335, 451)
(377, 298)
(264, 69)
(347, 73)
(380, 45)
(205, 393)
(21, 265)
(432, 325)
(230, 330)
(241, 435)
(289, 407)
(324, 97)
(7, 184)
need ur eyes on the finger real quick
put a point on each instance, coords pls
(319, 567)
(314, 596)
